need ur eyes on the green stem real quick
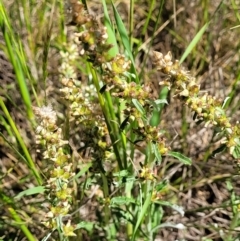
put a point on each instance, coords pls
(107, 212)
(108, 112)
(21, 143)
(131, 22)
(149, 16)
(21, 224)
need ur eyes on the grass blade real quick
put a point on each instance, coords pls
(125, 39)
(142, 213)
(111, 35)
(194, 42)
(16, 57)
(30, 162)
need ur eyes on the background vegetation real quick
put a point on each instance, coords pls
(115, 155)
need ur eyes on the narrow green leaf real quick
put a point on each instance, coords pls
(225, 102)
(17, 58)
(82, 171)
(199, 35)
(86, 225)
(138, 105)
(169, 225)
(194, 42)
(122, 200)
(229, 186)
(31, 191)
(157, 104)
(29, 159)
(185, 160)
(157, 113)
(125, 39)
(110, 30)
(123, 32)
(175, 207)
(22, 225)
(122, 173)
(122, 214)
(142, 213)
(162, 185)
(156, 152)
(6, 199)
(47, 237)
(236, 152)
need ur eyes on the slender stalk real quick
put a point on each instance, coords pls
(107, 212)
(21, 143)
(108, 115)
(131, 24)
(22, 225)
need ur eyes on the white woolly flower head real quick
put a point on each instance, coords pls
(46, 113)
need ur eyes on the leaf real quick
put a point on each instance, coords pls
(122, 173)
(124, 37)
(229, 186)
(194, 42)
(198, 36)
(158, 113)
(139, 107)
(122, 200)
(177, 208)
(159, 187)
(225, 102)
(185, 160)
(169, 225)
(16, 57)
(82, 171)
(47, 237)
(123, 32)
(158, 104)
(236, 152)
(156, 152)
(142, 213)
(124, 180)
(31, 191)
(110, 30)
(86, 225)
(122, 214)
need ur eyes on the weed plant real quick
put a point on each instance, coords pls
(102, 161)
